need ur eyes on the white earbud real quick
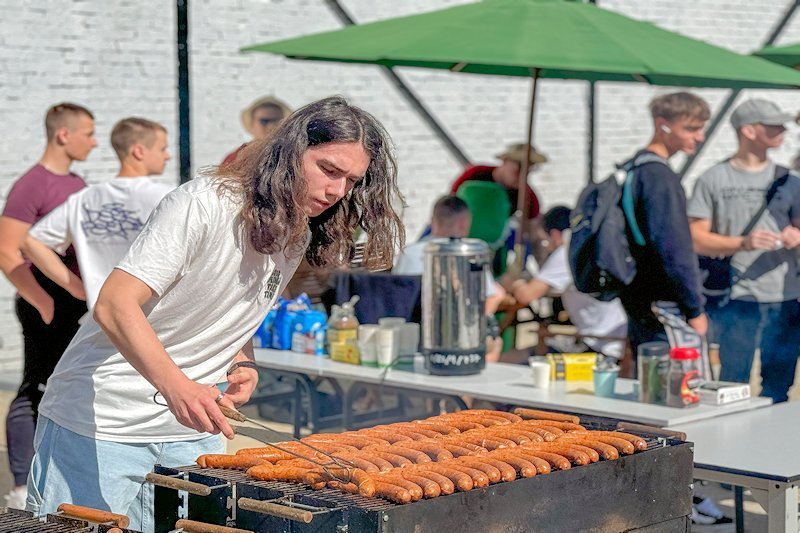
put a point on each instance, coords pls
(666, 129)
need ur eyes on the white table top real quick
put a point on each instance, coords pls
(761, 443)
(506, 383)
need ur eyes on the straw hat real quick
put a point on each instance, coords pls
(247, 113)
(517, 152)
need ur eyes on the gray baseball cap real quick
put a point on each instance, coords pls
(757, 111)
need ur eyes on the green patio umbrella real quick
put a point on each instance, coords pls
(539, 39)
(788, 55)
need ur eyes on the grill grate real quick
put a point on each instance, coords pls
(24, 522)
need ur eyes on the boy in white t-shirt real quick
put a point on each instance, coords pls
(590, 316)
(137, 386)
(102, 221)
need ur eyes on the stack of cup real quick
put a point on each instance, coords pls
(367, 336)
(387, 344)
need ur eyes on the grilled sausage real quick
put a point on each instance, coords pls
(434, 450)
(639, 443)
(521, 465)
(268, 472)
(576, 456)
(479, 478)
(623, 446)
(382, 464)
(462, 481)
(391, 492)
(430, 489)
(491, 471)
(507, 472)
(564, 426)
(359, 462)
(445, 484)
(511, 417)
(359, 441)
(606, 451)
(463, 444)
(459, 451)
(237, 462)
(461, 425)
(397, 461)
(535, 414)
(555, 460)
(413, 455)
(444, 429)
(413, 489)
(389, 436)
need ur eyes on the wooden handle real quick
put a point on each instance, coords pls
(274, 509)
(233, 414)
(652, 430)
(190, 526)
(198, 489)
(93, 515)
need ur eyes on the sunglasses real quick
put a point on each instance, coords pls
(267, 121)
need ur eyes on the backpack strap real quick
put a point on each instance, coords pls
(627, 192)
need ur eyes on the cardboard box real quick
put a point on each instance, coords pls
(722, 392)
(571, 366)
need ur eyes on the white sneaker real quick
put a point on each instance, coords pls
(706, 512)
(16, 498)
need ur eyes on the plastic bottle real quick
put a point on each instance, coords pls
(683, 378)
(343, 333)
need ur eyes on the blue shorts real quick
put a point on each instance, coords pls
(105, 475)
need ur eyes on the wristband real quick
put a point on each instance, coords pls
(242, 364)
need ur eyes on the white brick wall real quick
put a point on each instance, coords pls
(118, 58)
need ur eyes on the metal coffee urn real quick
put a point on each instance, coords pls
(453, 299)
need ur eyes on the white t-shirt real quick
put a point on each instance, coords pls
(101, 221)
(411, 262)
(213, 291)
(590, 316)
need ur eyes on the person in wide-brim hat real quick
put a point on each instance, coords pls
(260, 119)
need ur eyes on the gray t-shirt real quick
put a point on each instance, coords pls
(730, 198)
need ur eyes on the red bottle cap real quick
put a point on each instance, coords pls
(683, 353)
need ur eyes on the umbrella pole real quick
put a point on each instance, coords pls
(521, 236)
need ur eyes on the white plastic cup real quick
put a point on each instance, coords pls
(540, 369)
(367, 334)
(409, 338)
(387, 344)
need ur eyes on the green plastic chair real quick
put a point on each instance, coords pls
(489, 205)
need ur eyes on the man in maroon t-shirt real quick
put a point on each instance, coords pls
(48, 315)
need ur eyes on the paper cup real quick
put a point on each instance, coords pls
(604, 381)
(540, 369)
(367, 334)
(387, 344)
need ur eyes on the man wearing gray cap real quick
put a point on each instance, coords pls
(747, 209)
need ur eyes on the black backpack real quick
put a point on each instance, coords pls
(599, 251)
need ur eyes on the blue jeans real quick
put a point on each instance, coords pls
(71, 468)
(740, 327)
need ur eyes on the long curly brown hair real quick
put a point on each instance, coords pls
(267, 176)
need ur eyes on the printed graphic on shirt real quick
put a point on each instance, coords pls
(273, 283)
(111, 220)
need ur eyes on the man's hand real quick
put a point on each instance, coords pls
(760, 239)
(700, 324)
(241, 384)
(194, 405)
(790, 236)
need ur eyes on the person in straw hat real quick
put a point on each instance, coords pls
(260, 119)
(507, 175)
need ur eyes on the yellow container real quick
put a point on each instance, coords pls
(571, 366)
(345, 352)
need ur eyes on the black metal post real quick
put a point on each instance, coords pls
(735, 92)
(409, 95)
(591, 127)
(184, 131)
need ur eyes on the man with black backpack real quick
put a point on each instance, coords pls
(630, 235)
(745, 215)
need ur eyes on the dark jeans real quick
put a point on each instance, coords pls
(43, 346)
(643, 326)
(740, 327)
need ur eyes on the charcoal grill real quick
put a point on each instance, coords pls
(16, 521)
(650, 490)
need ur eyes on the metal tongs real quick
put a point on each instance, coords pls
(238, 416)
